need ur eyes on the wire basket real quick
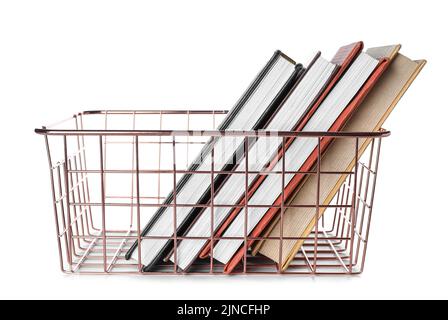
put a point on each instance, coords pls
(110, 171)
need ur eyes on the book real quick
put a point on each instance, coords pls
(252, 111)
(300, 156)
(291, 112)
(370, 116)
(343, 58)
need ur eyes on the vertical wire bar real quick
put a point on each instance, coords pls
(77, 174)
(89, 222)
(335, 212)
(282, 207)
(188, 139)
(323, 219)
(106, 123)
(348, 212)
(340, 211)
(246, 199)
(353, 208)
(347, 219)
(160, 159)
(103, 190)
(358, 190)
(83, 210)
(67, 203)
(132, 198)
(366, 190)
(344, 218)
(76, 209)
(212, 202)
(316, 224)
(371, 203)
(79, 181)
(174, 204)
(132, 174)
(139, 234)
(103, 206)
(86, 187)
(64, 224)
(55, 208)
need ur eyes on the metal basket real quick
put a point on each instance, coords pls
(111, 169)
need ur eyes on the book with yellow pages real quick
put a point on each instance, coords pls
(370, 116)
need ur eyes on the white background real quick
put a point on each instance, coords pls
(58, 57)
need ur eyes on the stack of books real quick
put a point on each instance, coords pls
(354, 91)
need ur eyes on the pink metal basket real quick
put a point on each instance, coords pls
(110, 171)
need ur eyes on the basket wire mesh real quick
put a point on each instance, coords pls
(109, 172)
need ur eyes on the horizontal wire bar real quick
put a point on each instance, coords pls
(167, 171)
(125, 231)
(200, 238)
(91, 262)
(138, 112)
(186, 205)
(214, 273)
(155, 142)
(215, 133)
(134, 197)
(155, 112)
(99, 250)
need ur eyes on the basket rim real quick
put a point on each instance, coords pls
(47, 130)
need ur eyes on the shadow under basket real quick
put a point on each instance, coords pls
(110, 171)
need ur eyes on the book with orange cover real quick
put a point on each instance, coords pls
(293, 109)
(340, 157)
(224, 249)
(343, 58)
